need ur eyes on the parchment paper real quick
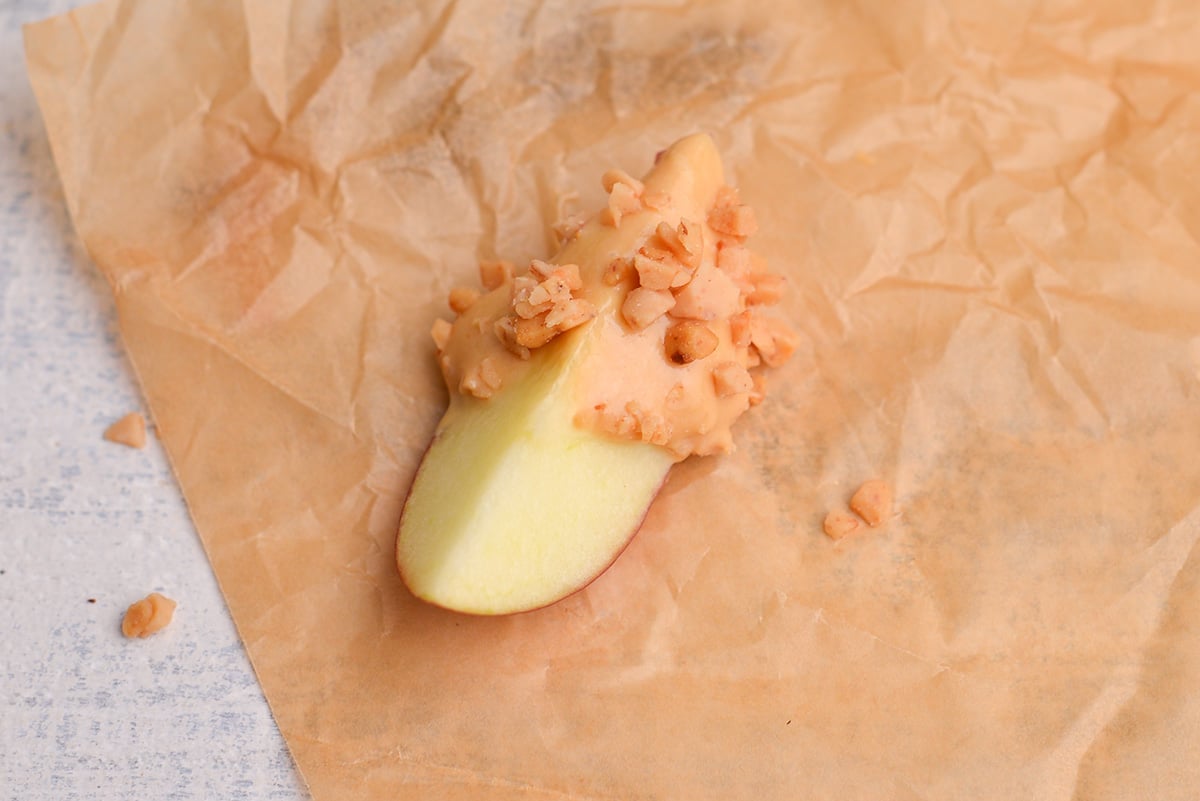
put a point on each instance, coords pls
(990, 217)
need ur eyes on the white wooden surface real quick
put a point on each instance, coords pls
(84, 713)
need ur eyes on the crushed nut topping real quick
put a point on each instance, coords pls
(730, 378)
(483, 381)
(734, 261)
(533, 332)
(643, 306)
(495, 274)
(569, 314)
(689, 341)
(739, 329)
(147, 616)
(729, 216)
(613, 177)
(505, 329)
(772, 339)
(635, 422)
(872, 502)
(767, 291)
(685, 241)
(839, 524)
(726, 196)
(441, 333)
(462, 298)
(760, 389)
(656, 200)
(622, 200)
(624, 195)
(710, 295)
(737, 221)
(680, 273)
(655, 274)
(544, 304)
(616, 272)
(568, 228)
(130, 431)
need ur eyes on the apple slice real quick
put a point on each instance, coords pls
(515, 504)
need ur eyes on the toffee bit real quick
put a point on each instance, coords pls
(655, 274)
(617, 271)
(670, 238)
(643, 306)
(656, 200)
(483, 381)
(622, 200)
(539, 296)
(540, 269)
(767, 291)
(555, 289)
(734, 261)
(726, 196)
(730, 378)
(495, 274)
(691, 235)
(735, 221)
(570, 274)
(873, 502)
(130, 431)
(568, 228)
(568, 315)
(505, 330)
(684, 242)
(652, 251)
(533, 332)
(710, 295)
(772, 339)
(440, 333)
(760, 388)
(488, 373)
(739, 329)
(611, 178)
(147, 616)
(728, 216)
(689, 341)
(636, 422)
(839, 524)
(527, 300)
(462, 298)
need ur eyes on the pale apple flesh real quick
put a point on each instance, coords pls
(515, 505)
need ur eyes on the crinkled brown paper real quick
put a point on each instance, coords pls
(990, 216)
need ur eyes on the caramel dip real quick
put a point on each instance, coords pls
(671, 320)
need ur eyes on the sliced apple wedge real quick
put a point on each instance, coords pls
(519, 502)
(514, 506)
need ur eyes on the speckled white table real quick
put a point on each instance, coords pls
(87, 527)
